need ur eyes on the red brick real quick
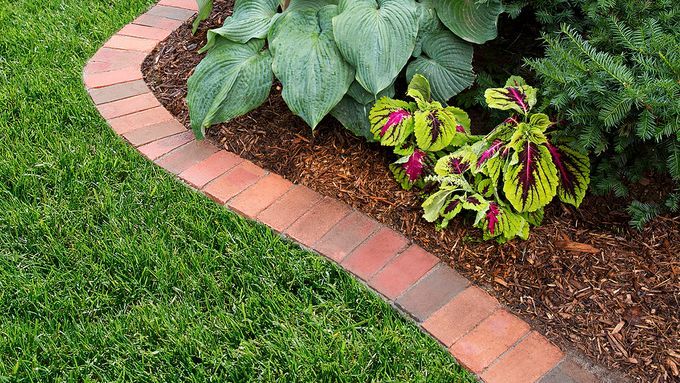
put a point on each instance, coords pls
(569, 372)
(289, 208)
(144, 32)
(120, 57)
(373, 254)
(118, 91)
(171, 12)
(494, 336)
(154, 132)
(158, 22)
(209, 169)
(309, 228)
(129, 43)
(432, 292)
(465, 311)
(403, 272)
(344, 237)
(128, 105)
(224, 187)
(526, 363)
(138, 120)
(157, 148)
(186, 4)
(186, 156)
(93, 67)
(259, 196)
(102, 79)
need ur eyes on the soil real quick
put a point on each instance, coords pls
(585, 278)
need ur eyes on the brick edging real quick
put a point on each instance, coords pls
(481, 334)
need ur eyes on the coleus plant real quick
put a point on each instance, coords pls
(334, 56)
(504, 178)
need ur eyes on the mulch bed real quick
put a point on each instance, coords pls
(585, 279)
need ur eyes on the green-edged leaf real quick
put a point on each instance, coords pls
(232, 80)
(434, 204)
(419, 89)
(411, 169)
(540, 120)
(377, 38)
(391, 121)
(573, 169)
(309, 5)
(471, 20)
(456, 163)
(359, 94)
(434, 129)
(251, 20)
(354, 117)
(204, 9)
(530, 180)
(516, 95)
(309, 65)
(502, 223)
(446, 61)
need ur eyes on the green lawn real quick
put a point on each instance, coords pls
(111, 270)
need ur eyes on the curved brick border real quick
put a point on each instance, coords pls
(479, 333)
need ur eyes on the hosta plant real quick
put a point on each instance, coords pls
(504, 178)
(334, 56)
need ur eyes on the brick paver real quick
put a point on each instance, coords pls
(129, 105)
(236, 180)
(130, 43)
(432, 292)
(525, 363)
(212, 167)
(118, 91)
(282, 213)
(140, 119)
(158, 22)
(309, 228)
(187, 155)
(154, 132)
(157, 148)
(495, 335)
(171, 12)
(120, 57)
(372, 255)
(346, 236)
(403, 272)
(144, 32)
(259, 196)
(102, 79)
(568, 371)
(186, 4)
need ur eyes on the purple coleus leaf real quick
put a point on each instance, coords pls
(530, 182)
(460, 128)
(489, 152)
(573, 170)
(516, 95)
(458, 166)
(492, 217)
(414, 166)
(394, 118)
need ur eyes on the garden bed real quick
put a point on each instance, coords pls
(585, 278)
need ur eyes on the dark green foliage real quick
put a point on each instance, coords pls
(617, 86)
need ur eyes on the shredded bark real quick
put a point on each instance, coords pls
(585, 278)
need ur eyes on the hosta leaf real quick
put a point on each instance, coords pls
(446, 61)
(530, 180)
(362, 96)
(434, 129)
(354, 117)
(309, 5)
(391, 121)
(471, 20)
(376, 37)
(251, 20)
(516, 95)
(573, 169)
(204, 9)
(309, 65)
(427, 22)
(230, 81)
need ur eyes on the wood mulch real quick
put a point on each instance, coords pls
(585, 279)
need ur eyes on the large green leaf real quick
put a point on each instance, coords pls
(354, 117)
(446, 61)
(471, 20)
(204, 9)
(309, 65)
(309, 5)
(377, 38)
(358, 93)
(530, 180)
(391, 121)
(251, 20)
(232, 80)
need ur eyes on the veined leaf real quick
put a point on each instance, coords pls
(376, 37)
(446, 61)
(434, 129)
(433, 205)
(471, 20)
(309, 65)
(573, 169)
(428, 22)
(391, 121)
(530, 180)
(501, 222)
(516, 95)
(412, 169)
(354, 117)
(204, 9)
(362, 96)
(251, 20)
(419, 89)
(230, 81)
(309, 5)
